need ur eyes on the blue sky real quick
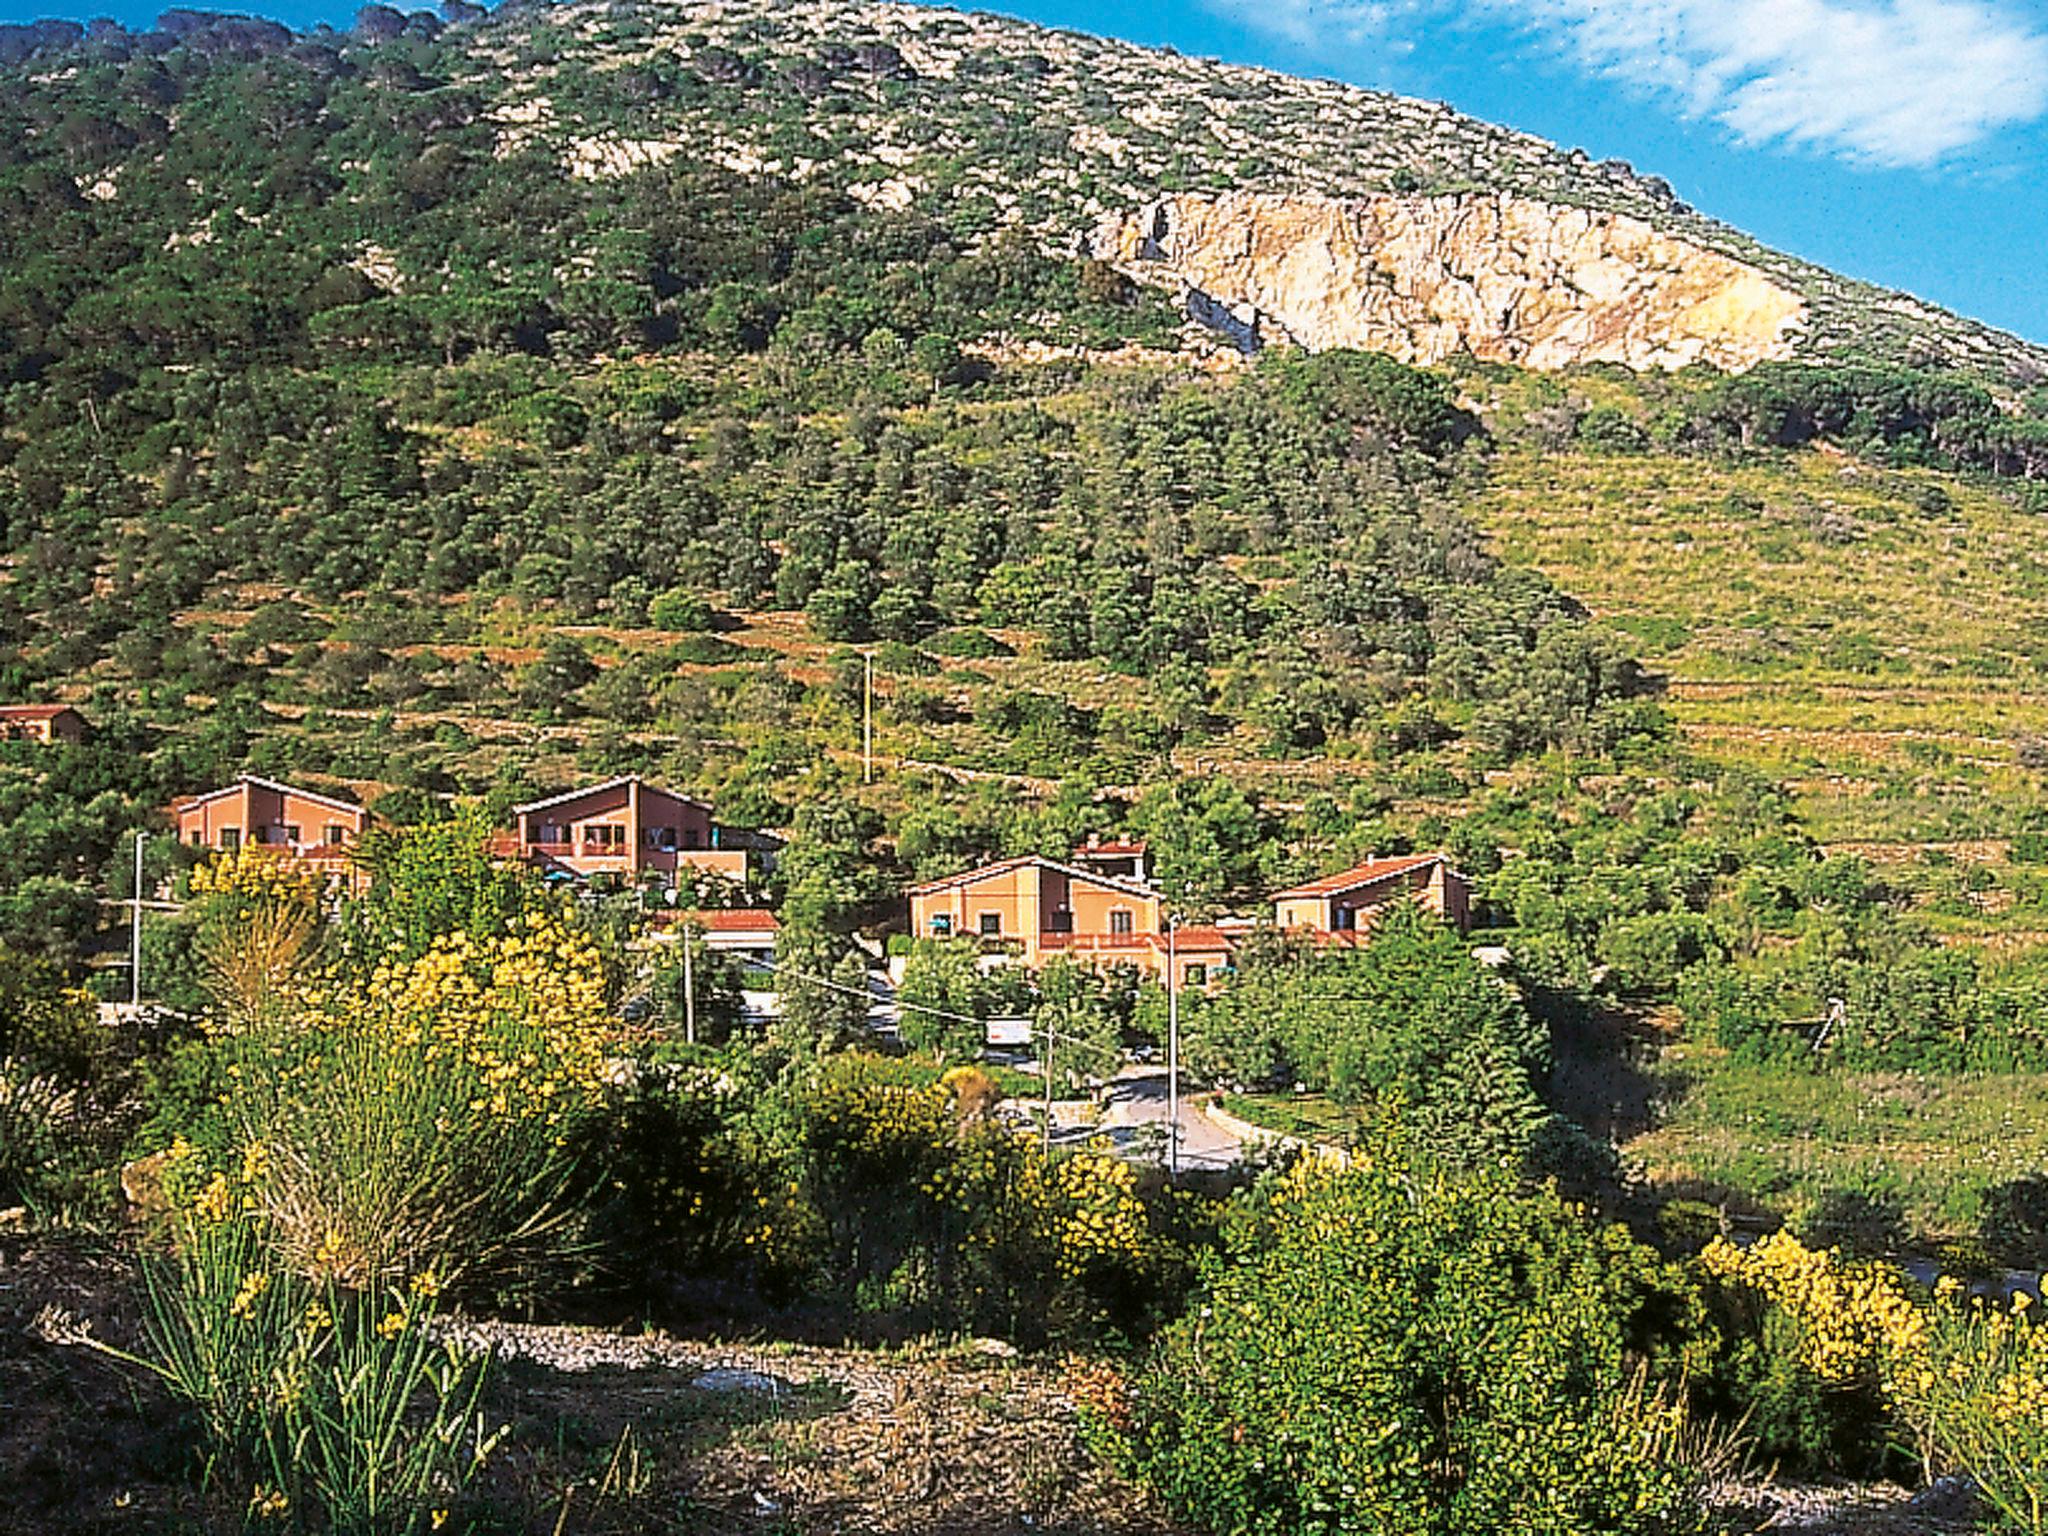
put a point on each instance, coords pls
(1903, 141)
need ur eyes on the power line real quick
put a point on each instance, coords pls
(1053, 1035)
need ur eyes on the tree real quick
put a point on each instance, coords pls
(944, 975)
(1077, 1025)
(821, 989)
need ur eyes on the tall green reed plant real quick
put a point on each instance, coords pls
(342, 1411)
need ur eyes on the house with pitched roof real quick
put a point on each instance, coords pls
(1045, 908)
(626, 828)
(1342, 906)
(45, 723)
(298, 823)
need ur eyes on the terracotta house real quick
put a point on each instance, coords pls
(46, 723)
(301, 823)
(1126, 860)
(1344, 904)
(1048, 908)
(748, 932)
(627, 828)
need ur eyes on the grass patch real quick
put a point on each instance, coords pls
(1878, 1160)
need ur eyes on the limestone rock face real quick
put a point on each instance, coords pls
(1512, 279)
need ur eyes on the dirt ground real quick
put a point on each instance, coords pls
(612, 1431)
(633, 1430)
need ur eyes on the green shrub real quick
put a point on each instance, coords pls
(44, 1020)
(969, 644)
(681, 609)
(1391, 1352)
(51, 1158)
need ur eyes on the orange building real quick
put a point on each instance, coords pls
(298, 823)
(1344, 904)
(1049, 909)
(627, 828)
(46, 723)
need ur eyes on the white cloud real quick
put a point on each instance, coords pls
(1882, 82)
(1320, 24)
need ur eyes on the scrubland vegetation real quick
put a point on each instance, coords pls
(1725, 692)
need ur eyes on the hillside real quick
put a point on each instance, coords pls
(1229, 188)
(460, 411)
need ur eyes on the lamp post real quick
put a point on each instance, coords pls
(1173, 1048)
(135, 933)
(867, 718)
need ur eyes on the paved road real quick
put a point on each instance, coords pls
(1134, 1122)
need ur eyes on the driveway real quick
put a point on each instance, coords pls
(1133, 1121)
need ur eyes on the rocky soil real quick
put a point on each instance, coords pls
(616, 1431)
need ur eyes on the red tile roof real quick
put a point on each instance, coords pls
(34, 711)
(1030, 860)
(1369, 873)
(1121, 850)
(734, 920)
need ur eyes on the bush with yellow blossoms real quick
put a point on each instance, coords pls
(1960, 1380)
(932, 1207)
(1978, 1395)
(1809, 1337)
(430, 1113)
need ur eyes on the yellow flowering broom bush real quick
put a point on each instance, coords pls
(1962, 1379)
(1978, 1392)
(933, 1207)
(428, 1115)
(1811, 1341)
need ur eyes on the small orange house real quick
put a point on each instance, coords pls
(627, 828)
(1344, 904)
(1048, 909)
(298, 822)
(46, 723)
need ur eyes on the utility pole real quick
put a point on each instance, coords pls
(1173, 1048)
(1045, 1066)
(135, 932)
(689, 988)
(867, 718)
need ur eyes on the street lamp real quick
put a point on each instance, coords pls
(1173, 1047)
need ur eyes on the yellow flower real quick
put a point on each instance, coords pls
(317, 1317)
(268, 1503)
(251, 1288)
(426, 1283)
(393, 1325)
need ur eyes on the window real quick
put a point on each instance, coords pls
(1344, 919)
(1060, 920)
(335, 835)
(198, 839)
(692, 838)
(942, 925)
(230, 839)
(1197, 976)
(662, 838)
(605, 836)
(291, 833)
(991, 925)
(1120, 921)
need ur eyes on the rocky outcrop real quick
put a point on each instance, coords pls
(1508, 278)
